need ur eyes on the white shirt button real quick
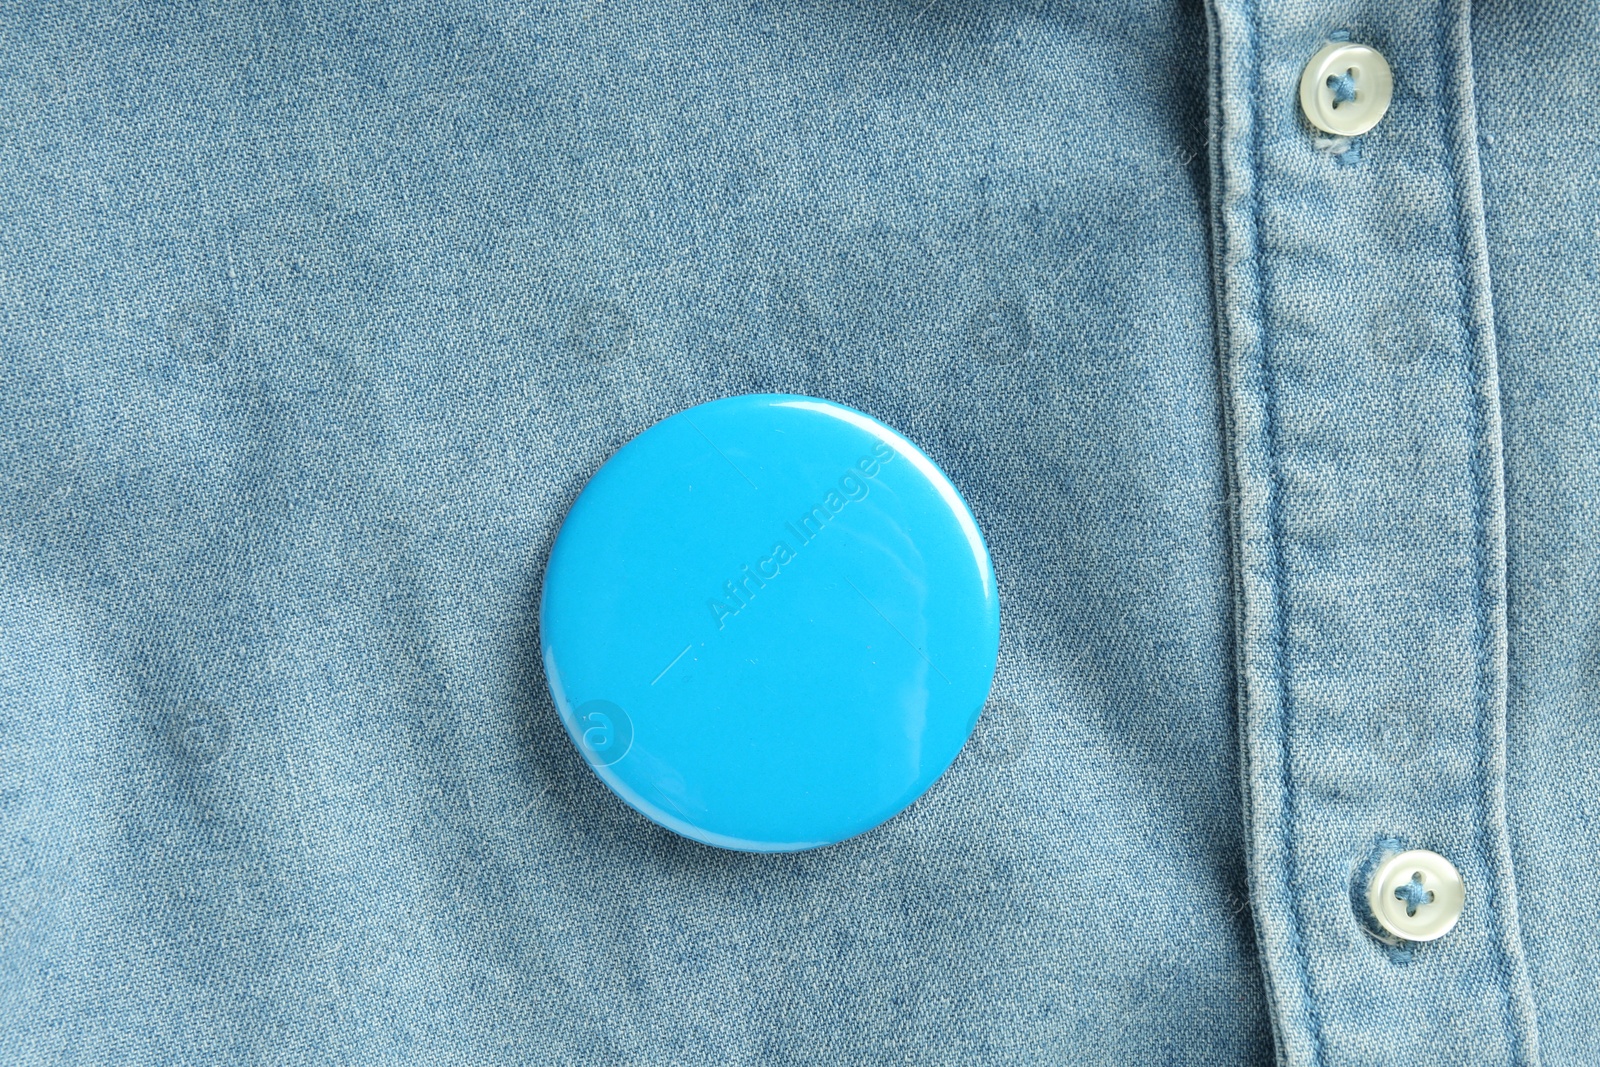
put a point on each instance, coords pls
(1416, 895)
(1346, 88)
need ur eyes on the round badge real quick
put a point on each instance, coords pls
(769, 623)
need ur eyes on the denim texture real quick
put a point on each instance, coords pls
(314, 320)
(1541, 180)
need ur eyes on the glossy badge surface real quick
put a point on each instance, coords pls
(769, 623)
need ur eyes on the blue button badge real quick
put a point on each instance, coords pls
(769, 623)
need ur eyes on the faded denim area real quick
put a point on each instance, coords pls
(1541, 176)
(314, 320)
(1409, 366)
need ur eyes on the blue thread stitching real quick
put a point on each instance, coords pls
(1220, 239)
(1397, 952)
(1414, 894)
(1280, 635)
(1344, 88)
(1480, 612)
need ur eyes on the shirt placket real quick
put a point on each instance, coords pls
(1358, 361)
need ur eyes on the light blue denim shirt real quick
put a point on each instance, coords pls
(314, 318)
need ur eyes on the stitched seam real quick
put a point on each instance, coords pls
(1529, 1033)
(1480, 608)
(1222, 242)
(1280, 637)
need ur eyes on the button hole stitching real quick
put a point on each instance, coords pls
(1343, 86)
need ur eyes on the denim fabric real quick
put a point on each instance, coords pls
(1541, 179)
(1362, 361)
(313, 321)
(1366, 442)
